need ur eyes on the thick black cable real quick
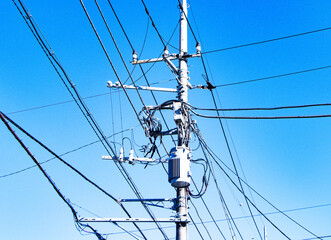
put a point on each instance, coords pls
(143, 72)
(271, 77)
(238, 188)
(82, 106)
(267, 41)
(197, 212)
(195, 225)
(209, 212)
(3, 118)
(257, 193)
(227, 175)
(63, 154)
(153, 24)
(68, 165)
(133, 186)
(262, 118)
(233, 163)
(263, 108)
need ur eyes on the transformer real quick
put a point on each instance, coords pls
(179, 167)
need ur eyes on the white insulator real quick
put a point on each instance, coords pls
(198, 48)
(166, 51)
(121, 154)
(134, 56)
(131, 155)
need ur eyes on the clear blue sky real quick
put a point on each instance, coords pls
(286, 161)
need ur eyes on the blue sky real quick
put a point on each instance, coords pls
(286, 161)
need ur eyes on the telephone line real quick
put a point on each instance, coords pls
(133, 186)
(271, 77)
(3, 116)
(269, 40)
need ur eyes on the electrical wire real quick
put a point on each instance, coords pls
(153, 24)
(262, 108)
(197, 212)
(134, 187)
(248, 216)
(214, 156)
(262, 118)
(269, 40)
(63, 154)
(238, 188)
(272, 77)
(75, 95)
(234, 165)
(80, 225)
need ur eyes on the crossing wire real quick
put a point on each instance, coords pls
(226, 140)
(2, 115)
(214, 157)
(272, 77)
(133, 186)
(269, 40)
(63, 154)
(263, 108)
(132, 48)
(75, 94)
(3, 119)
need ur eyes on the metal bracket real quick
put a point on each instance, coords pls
(177, 220)
(117, 85)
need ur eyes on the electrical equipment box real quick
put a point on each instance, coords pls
(178, 115)
(179, 167)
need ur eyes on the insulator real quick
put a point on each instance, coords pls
(131, 155)
(121, 154)
(166, 51)
(198, 48)
(134, 56)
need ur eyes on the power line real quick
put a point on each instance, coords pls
(234, 165)
(263, 108)
(261, 118)
(63, 154)
(214, 156)
(78, 224)
(70, 101)
(267, 41)
(274, 76)
(132, 184)
(75, 94)
(248, 216)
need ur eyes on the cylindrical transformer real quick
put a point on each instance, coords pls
(179, 167)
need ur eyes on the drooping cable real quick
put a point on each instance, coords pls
(153, 24)
(209, 212)
(274, 76)
(257, 193)
(238, 188)
(68, 165)
(63, 154)
(197, 212)
(75, 94)
(3, 119)
(133, 186)
(261, 117)
(262, 108)
(267, 41)
(234, 165)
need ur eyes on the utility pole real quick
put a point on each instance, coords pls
(182, 193)
(180, 156)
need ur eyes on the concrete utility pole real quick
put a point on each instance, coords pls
(182, 193)
(180, 156)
